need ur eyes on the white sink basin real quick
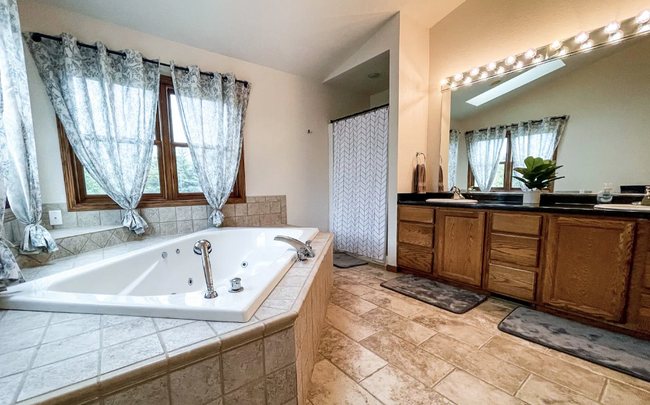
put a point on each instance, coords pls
(622, 207)
(451, 201)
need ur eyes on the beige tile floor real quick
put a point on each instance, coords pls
(380, 347)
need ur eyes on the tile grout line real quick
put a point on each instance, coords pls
(523, 383)
(358, 384)
(601, 396)
(23, 378)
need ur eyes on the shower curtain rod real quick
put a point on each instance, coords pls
(559, 117)
(37, 36)
(359, 113)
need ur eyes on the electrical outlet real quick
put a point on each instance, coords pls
(55, 217)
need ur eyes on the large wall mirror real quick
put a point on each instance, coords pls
(589, 110)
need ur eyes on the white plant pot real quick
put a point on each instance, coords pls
(532, 197)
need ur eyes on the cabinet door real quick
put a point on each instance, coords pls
(459, 240)
(587, 266)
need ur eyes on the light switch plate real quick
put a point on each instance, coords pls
(55, 217)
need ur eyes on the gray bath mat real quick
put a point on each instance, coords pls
(612, 350)
(443, 296)
(345, 261)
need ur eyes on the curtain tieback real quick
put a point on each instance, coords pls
(7, 242)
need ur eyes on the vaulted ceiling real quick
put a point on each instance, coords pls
(305, 37)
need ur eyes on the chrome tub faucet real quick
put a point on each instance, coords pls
(304, 250)
(203, 248)
(457, 195)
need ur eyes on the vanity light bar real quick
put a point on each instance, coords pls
(585, 41)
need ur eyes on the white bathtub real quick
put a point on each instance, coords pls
(144, 283)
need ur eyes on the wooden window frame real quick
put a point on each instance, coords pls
(507, 171)
(169, 196)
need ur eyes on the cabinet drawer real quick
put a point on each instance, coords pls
(512, 282)
(415, 258)
(517, 250)
(416, 234)
(517, 223)
(415, 214)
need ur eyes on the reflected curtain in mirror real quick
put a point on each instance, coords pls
(107, 105)
(454, 137)
(484, 149)
(18, 152)
(536, 138)
(360, 171)
(213, 110)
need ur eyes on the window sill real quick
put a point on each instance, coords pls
(81, 230)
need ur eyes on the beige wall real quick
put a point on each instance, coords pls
(281, 157)
(480, 31)
(413, 99)
(607, 137)
(379, 99)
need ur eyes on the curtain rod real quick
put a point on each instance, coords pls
(359, 113)
(559, 117)
(37, 36)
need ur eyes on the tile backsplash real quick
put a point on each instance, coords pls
(164, 221)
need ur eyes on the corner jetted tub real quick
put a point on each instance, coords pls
(167, 279)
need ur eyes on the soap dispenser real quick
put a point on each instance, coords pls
(646, 197)
(605, 196)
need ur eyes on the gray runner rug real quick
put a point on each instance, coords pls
(612, 350)
(440, 295)
(345, 261)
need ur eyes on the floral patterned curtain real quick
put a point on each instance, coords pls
(452, 164)
(484, 149)
(107, 105)
(536, 138)
(18, 152)
(213, 110)
(9, 270)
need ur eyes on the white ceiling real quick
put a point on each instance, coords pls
(305, 37)
(357, 80)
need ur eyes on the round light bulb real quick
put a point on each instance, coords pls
(453, 85)
(581, 38)
(530, 54)
(491, 66)
(563, 51)
(643, 17)
(484, 75)
(474, 72)
(612, 27)
(643, 28)
(510, 60)
(519, 65)
(458, 77)
(555, 45)
(500, 70)
(538, 59)
(467, 80)
(587, 45)
(616, 36)
(443, 82)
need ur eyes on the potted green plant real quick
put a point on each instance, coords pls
(535, 177)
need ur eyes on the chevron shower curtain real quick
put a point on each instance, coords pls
(359, 197)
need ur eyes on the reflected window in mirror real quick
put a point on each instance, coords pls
(172, 179)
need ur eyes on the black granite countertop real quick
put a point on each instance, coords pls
(570, 204)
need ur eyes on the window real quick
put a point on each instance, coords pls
(504, 179)
(172, 179)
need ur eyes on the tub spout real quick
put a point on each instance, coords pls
(304, 250)
(204, 248)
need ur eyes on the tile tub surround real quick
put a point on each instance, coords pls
(61, 358)
(381, 347)
(166, 221)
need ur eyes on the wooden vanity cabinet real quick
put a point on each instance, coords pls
(459, 243)
(513, 254)
(587, 266)
(415, 238)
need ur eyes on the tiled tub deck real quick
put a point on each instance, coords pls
(61, 358)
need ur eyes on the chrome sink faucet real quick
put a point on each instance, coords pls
(457, 195)
(304, 250)
(204, 248)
